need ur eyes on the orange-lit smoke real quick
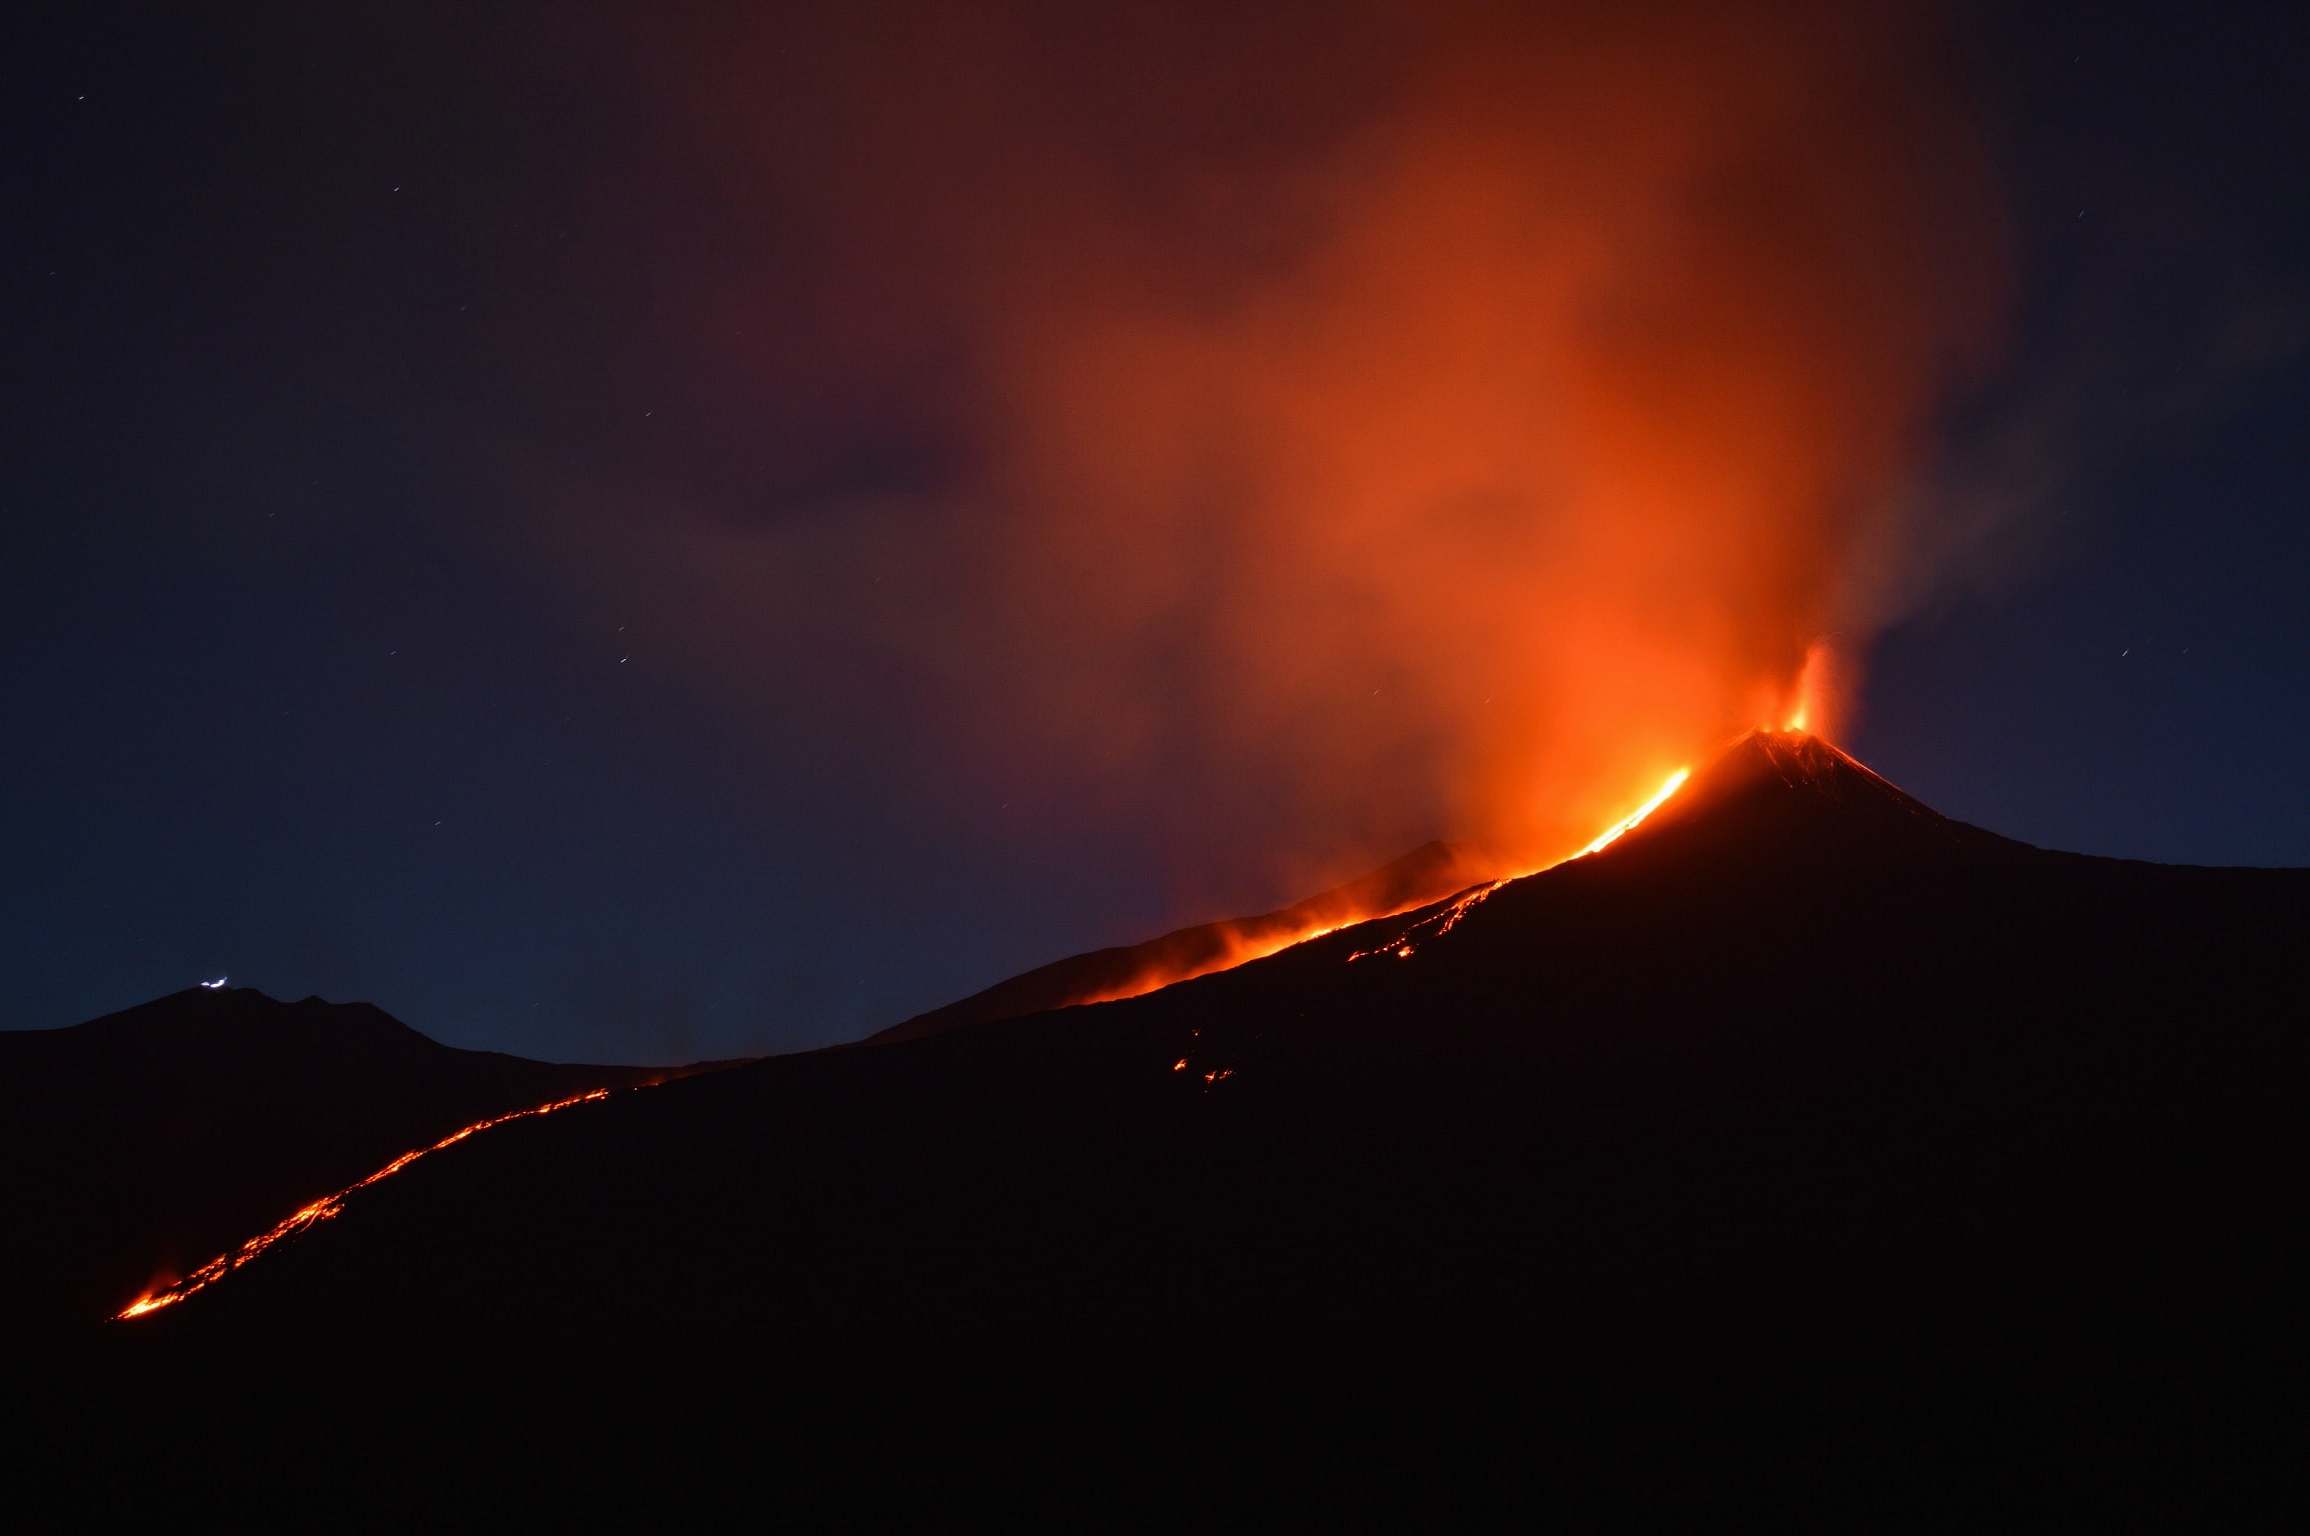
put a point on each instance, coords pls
(1360, 424)
(1815, 701)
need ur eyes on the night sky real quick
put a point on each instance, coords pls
(453, 460)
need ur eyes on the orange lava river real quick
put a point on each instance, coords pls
(321, 1210)
(1436, 925)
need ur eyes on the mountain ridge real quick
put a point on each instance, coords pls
(1988, 1148)
(1797, 1028)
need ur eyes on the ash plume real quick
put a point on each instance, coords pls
(1312, 430)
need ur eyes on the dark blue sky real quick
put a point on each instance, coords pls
(327, 668)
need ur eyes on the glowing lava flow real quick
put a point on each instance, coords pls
(321, 1210)
(1239, 950)
(1442, 922)
(1612, 834)
(1445, 921)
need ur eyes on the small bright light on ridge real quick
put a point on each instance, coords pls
(214, 985)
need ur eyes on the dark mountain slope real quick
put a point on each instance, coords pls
(138, 1145)
(1802, 1052)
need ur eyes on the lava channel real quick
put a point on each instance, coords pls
(321, 1210)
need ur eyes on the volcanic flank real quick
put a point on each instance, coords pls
(1427, 873)
(1795, 1043)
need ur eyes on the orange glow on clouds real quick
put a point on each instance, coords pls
(1810, 710)
(1348, 442)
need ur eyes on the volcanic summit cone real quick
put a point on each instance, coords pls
(1787, 797)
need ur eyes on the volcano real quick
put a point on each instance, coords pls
(1796, 1080)
(1794, 1035)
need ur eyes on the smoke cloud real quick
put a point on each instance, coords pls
(1314, 429)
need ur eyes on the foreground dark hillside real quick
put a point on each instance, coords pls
(139, 1145)
(1798, 1068)
(1792, 1029)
